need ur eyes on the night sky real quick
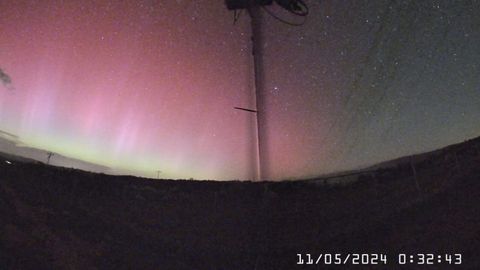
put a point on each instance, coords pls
(141, 86)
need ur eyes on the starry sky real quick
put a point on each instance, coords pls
(147, 86)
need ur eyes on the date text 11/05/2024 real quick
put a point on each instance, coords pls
(377, 258)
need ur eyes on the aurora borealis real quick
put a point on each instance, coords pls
(141, 86)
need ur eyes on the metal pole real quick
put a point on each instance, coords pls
(257, 51)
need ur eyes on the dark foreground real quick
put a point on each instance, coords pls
(56, 218)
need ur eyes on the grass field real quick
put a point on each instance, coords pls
(59, 218)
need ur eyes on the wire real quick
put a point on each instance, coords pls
(297, 7)
(284, 21)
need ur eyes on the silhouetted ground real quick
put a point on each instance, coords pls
(57, 218)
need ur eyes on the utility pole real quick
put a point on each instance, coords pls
(254, 10)
(256, 18)
(158, 174)
(49, 155)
